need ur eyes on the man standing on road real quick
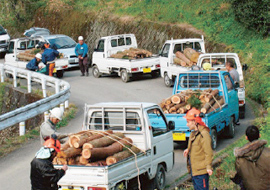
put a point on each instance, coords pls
(199, 152)
(33, 64)
(234, 74)
(252, 162)
(48, 56)
(43, 175)
(81, 50)
(49, 127)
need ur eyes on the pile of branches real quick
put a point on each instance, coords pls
(132, 53)
(207, 100)
(186, 59)
(96, 148)
(28, 55)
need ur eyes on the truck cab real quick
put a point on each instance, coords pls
(218, 62)
(168, 69)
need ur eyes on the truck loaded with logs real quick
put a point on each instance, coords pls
(119, 54)
(118, 146)
(213, 92)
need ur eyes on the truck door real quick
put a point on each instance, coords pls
(99, 56)
(164, 59)
(10, 56)
(161, 137)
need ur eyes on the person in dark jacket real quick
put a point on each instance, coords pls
(43, 175)
(253, 162)
(49, 55)
(33, 64)
(81, 50)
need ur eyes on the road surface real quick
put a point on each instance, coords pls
(15, 167)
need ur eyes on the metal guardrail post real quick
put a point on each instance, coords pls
(43, 84)
(29, 87)
(46, 116)
(15, 78)
(66, 102)
(22, 128)
(57, 90)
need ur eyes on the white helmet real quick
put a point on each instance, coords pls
(56, 113)
(38, 55)
(80, 38)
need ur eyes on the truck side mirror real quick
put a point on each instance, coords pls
(171, 125)
(244, 67)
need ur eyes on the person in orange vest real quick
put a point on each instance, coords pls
(43, 175)
(199, 152)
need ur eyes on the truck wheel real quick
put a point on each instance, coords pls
(214, 139)
(124, 75)
(167, 80)
(160, 178)
(231, 128)
(60, 73)
(95, 72)
(242, 111)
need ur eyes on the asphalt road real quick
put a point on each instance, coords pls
(15, 167)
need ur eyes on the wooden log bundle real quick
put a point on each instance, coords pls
(132, 53)
(122, 155)
(188, 58)
(191, 54)
(180, 103)
(91, 148)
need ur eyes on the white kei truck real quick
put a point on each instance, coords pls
(169, 70)
(19, 45)
(103, 63)
(218, 62)
(139, 122)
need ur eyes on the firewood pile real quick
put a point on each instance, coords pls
(207, 100)
(28, 55)
(186, 59)
(95, 148)
(132, 53)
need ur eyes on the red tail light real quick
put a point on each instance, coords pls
(134, 69)
(158, 66)
(96, 188)
(241, 102)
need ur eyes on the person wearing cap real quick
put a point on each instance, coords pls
(42, 174)
(33, 64)
(199, 152)
(81, 51)
(49, 55)
(48, 127)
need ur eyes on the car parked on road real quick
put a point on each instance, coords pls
(4, 39)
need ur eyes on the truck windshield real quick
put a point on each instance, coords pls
(115, 120)
(157, 121)
(198, 80)
(2, 31)
(218, 62)
(62, 42)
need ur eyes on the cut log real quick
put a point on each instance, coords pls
(211, 95)
(180, 105)
(179, 61)
(166, 112)
(65, 146)
(121, 155)
(71, 152)
(73, 160)
(182, 110)
(76, 137)
(86, 139)
(182, 57)
(169, 106)
(176, 99)
(216, 105)
(104, 141)
(102, 153)
(162, 105)
(191, 54)
(168, 101)
(172, 109)
(207, 106)
(188, 107)
(83, 160)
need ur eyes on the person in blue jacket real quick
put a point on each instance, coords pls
(33, 64)
(48, 56)
(81, 50)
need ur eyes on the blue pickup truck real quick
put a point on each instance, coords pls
(223, 119)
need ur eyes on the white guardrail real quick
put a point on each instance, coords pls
(20, 115)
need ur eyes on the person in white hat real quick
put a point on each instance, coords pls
(81, 51)
(33, 64)
(48, 127)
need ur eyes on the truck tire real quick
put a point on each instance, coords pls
(160, 178)
(124, 75)
(60, 73)
(155, 74)
(242, 111)
(95, 72)
(230, 132)
(167, 80)
(214, 139)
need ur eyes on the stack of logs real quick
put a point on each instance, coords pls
(132, 53)
(95, 148)
(28, 55)
(178, 103)
(186, 59)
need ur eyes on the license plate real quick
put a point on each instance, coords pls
(54, 70)
(146, 70)
(76, 60)
(179, 136)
